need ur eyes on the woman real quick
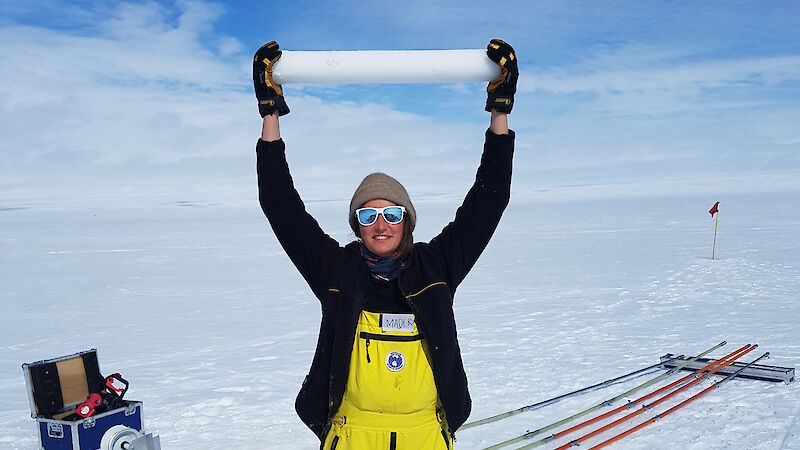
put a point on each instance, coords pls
(387, 372)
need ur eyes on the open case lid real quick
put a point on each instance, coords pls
(56, 386)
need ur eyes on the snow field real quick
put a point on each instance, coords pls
(202, 312)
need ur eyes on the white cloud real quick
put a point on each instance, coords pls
(687, 77)
(152, 92)
(144, 98)
(86, 92)
(666, 80)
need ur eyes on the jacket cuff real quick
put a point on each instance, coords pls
(499, 138)
(270, 146)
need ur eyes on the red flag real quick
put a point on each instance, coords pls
(714, 209)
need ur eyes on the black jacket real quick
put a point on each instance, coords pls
(339, 278)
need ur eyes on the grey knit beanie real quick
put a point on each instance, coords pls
(381, 186)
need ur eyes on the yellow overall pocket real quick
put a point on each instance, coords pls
(350, 437)
(390, 370)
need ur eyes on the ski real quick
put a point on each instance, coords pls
(550, 401)
(634, 402)
(679, 405)
(644, 385)
(711, 369)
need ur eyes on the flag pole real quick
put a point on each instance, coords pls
(714, 248)
(714, 210)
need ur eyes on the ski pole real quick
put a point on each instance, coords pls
(650, 382)
(630, 404)
(679, 405)
(550, 401)
(719, 364)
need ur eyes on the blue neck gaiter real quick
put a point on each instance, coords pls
(383, 268)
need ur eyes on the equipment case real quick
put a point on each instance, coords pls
(57, 386)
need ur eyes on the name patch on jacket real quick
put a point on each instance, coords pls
(397, 322)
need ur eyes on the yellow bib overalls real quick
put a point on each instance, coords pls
(390, 401)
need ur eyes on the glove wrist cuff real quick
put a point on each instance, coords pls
(270, 105)
(501, 103)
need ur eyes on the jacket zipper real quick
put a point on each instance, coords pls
(390, 337)
(386, 337)
(421, 324)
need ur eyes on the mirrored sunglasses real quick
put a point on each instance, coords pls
(391, 214)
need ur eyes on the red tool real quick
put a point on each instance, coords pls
(110, 397)
(87, 408)
(116, 385)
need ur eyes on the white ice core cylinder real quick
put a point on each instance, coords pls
(384, 67)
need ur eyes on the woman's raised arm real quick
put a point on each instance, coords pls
(271, 130)
(309, 248)
(462, 240)
(498, 124)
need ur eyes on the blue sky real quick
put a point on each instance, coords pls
(615, 98)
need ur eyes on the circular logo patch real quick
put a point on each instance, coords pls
(395, 361)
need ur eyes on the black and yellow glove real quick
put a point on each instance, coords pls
(502, 89)
(269, 94)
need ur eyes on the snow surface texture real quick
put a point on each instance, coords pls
(199, 308)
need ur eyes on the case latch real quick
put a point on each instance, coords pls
(55, 430)
(130, 410)
(88, 422)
